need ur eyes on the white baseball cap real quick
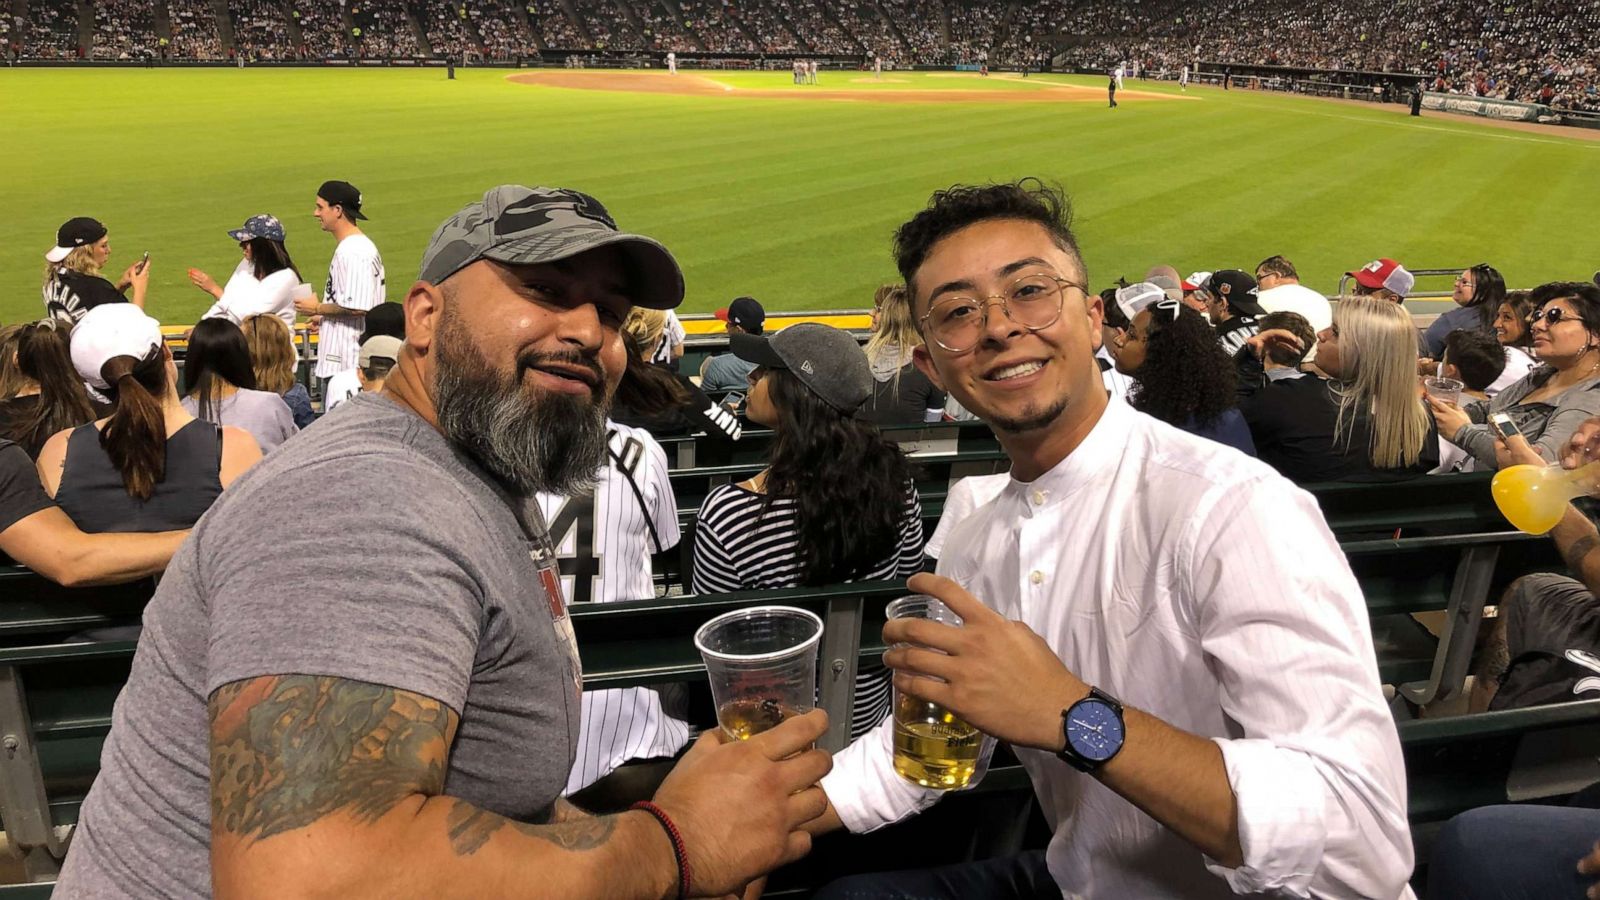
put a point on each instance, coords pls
(380, 346)
(1137, 297)
(108, 331)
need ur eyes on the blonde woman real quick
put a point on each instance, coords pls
(272, 355)
(901, 394)
(72, 281)
(1366, 422)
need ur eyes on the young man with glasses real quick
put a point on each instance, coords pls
(1278, 290)
(1162, 628)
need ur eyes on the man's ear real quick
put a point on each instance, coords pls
(424, 315)
(1095, 309)
(924, 363)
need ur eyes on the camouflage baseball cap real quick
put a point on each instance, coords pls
(520, 225)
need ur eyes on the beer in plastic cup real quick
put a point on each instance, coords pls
(1446, 390)
(932, 746)
(762, 664)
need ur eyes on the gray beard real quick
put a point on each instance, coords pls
(534, 442)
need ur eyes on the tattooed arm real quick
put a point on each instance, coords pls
(331, 787)
(1577, 539)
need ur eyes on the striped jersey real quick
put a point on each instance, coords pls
(672, 334)
(604, 544)
(355, 281)
(739, 546)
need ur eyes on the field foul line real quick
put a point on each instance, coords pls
(1485, 133)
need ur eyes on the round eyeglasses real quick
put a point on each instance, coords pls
(956, 323)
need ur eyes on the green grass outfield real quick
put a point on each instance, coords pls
(793, 202)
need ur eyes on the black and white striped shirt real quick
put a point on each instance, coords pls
(739, 546)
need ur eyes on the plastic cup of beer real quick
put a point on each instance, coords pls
(933, 747)
(1445, 390)
(762, 663)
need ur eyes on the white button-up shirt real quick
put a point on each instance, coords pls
(1198, 585)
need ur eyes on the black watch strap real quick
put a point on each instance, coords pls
(1072, 757)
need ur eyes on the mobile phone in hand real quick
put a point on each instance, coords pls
(733, 401)
(1503, 426)
(145, 261)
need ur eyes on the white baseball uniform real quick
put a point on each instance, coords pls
(355, 281)
(604, 544)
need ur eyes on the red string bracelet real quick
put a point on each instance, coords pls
(685, 878)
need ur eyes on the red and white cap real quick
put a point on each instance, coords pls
(1196, 281)
(1385, 274)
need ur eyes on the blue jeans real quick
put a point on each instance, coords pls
(1021, 877)
(1513, 853)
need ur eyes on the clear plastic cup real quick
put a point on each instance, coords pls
(303, 291)
(933, 747)
(1445, 390)
(762, 664)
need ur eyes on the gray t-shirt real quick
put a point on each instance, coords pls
(262, 413)
(407, 567)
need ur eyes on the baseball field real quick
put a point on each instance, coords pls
(788, 193)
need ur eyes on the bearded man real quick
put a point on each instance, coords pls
(371, 690)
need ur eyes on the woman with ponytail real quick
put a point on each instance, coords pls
(150, 466)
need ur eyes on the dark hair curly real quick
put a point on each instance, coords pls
(949, 211)
(1186, 378)
(850, 485)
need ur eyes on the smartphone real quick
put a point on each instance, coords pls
(733, 401)
(143, 262)
(1503, 426)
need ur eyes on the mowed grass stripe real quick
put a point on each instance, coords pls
(792, 201)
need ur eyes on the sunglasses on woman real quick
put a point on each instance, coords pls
(1553, 314)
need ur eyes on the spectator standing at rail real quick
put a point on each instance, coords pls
(263, 282)
(355, 282)
(72, 281)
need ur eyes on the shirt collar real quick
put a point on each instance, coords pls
(1100, 452)
(1284, 374)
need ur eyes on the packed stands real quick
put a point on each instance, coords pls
(502, 29)
(50, 31)
(194, 30)
(1536, 52)
(261, 30)
(124, 29)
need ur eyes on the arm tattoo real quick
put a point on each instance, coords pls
(1580, 550)
(471, 827)
(287, 750)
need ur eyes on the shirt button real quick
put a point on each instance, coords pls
(1038, 498)
(1037, 577)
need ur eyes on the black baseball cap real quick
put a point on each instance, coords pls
(746, 313)
(827, 361)
(74, 233)
(1237, 289)
(344, 195)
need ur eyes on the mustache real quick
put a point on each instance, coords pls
(535, 359)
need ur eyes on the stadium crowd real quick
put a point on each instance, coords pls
(1182, 409)
(1540, 51)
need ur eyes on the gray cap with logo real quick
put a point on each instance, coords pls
(826, 360)
(520, 225)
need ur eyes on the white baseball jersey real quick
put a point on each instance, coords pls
(604, 545)
(672, 334)
(355, 281)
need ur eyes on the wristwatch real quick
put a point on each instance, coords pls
(1093, 730)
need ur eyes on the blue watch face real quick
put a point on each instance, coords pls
(1094, 730)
